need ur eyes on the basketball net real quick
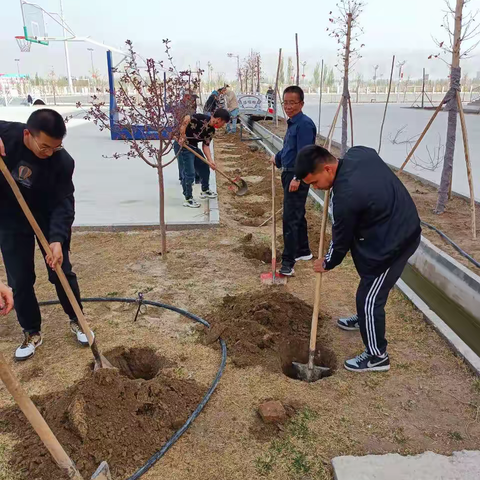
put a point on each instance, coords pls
(23, 44)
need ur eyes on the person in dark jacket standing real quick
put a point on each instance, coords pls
(213, 102)
(301, 131)
(375, 218)
(34, 154)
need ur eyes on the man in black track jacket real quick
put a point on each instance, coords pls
(34, 154)
(375, 218)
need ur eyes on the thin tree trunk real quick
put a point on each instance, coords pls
(386, 105)
(276, 85)
(298, 60)
(452, 107)
(258, 73)
(346, 93)
(163, 226)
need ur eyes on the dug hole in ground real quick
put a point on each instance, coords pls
(428, 401)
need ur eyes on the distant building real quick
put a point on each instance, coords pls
(478, 76)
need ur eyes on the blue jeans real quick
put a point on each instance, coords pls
(188, 163)
(232, 126)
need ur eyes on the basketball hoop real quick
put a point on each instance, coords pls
(23, 44)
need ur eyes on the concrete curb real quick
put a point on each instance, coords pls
(454, 341)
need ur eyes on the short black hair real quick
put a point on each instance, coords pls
(295, 89)
(223, 114)
(47, 121)
(309, 158)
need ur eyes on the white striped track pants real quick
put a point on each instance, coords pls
(372, 295)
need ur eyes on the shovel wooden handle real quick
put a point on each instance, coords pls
(274, 227)
(214, 167)
(37, 421)
(318, 285)
(58, 268)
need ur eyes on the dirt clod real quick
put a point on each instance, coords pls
(112, 415)
(272, 412)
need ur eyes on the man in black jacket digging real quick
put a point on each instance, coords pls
(375, 218)
(34, 154)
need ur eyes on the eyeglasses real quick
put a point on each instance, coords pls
(47, 149)
(290, 104)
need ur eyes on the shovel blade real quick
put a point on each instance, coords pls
(269, 279)
(103, 363)
(102, 472)
(242, 187)
(307, 375)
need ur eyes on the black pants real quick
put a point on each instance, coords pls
(295, 234)
(372, 295)
(18, 251)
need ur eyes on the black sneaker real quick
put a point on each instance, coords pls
(368, 363)
(287, 271)
(208, 194)
(350, 323)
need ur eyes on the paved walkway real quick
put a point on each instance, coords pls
(464, 465)
(120, 192)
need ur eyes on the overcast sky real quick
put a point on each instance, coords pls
(207, 34)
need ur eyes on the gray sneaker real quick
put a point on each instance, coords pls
(349, 323)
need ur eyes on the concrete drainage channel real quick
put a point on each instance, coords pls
(446, 292)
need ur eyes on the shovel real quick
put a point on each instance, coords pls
(100, 360)
(272, 278)
(43, 430)
(311, 372)
(240, 183)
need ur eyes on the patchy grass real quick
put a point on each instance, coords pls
(292, 453)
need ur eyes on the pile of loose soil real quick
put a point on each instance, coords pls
(121, 416)
(261, 327)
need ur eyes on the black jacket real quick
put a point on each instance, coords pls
(46, 185)
(373, 214)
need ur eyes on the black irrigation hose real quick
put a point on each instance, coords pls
(158, 455)
(452, 243)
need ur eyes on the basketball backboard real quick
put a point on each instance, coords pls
(34, 27)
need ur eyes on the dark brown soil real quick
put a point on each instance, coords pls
(121, 416)
(256, 327)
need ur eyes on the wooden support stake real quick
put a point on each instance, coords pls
(420, 138)
(351, 119)
(469, 166)
(386, 105)
(276, 85)
(298, 60)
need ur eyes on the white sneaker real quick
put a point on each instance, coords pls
(81, 337)
(191, 203)
(27, 349)
(208, 194)
(304, 257)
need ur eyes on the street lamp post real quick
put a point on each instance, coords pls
(93, 68)
(303, 71)
(375, 68)
(18, 70)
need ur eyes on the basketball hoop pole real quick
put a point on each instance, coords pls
(65, 46)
